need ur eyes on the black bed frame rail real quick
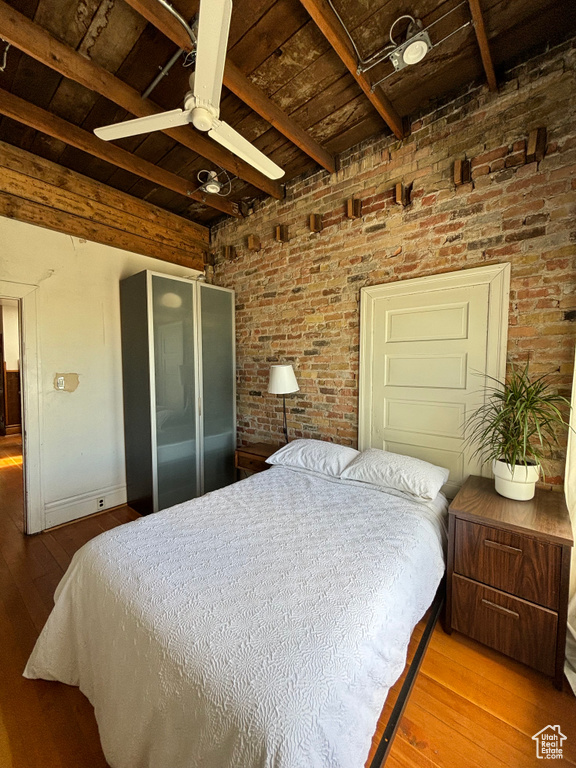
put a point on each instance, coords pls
(394, 720)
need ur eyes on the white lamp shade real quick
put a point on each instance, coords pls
(282, 380)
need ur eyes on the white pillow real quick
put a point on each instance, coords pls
(393, 470)
(314, 455)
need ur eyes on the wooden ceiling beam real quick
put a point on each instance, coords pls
(36, 42)
(482, 38)
(328, 23)
(163, 20)
(183, 231)
(40, 192)
(257, 100)
(24, 112)
(239, 84)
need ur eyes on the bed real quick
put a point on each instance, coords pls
(260, 626)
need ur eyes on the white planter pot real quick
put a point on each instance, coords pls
(518, 482)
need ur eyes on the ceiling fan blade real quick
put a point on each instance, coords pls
(213, 29)
(147, 124)
(226, 135)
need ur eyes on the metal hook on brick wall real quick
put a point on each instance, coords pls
(5, 55)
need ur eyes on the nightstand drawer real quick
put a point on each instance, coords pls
(250, 462)
(508, 561)
(519, 629)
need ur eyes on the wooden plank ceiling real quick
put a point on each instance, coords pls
(291, 85)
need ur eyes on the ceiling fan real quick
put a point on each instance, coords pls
(202, 102)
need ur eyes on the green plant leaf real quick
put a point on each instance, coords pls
(519, 420)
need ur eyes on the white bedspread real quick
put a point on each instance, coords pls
(260, 626)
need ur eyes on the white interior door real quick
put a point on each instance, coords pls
(427, 345)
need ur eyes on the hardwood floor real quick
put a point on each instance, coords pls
(470, 707)
(42, 724)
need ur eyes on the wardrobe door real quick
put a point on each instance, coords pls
(174, 396)
(218, 384)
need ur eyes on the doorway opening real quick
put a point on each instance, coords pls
(11, 448)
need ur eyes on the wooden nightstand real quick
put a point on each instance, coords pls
(508, 573)
(253, 457)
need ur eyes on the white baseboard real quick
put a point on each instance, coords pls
(83, 504)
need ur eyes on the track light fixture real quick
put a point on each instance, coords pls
(214, 183)
(415, 47)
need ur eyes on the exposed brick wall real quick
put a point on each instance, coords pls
(298, 301)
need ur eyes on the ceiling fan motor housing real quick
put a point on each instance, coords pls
(202, 119)
(202, 115)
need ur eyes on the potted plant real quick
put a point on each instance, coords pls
(516, 428)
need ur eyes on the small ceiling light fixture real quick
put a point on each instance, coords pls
(415, 47)
(211, 183)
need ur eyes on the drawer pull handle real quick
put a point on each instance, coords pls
(500, 609)
(502, 547)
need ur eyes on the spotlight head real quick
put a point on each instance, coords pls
(212, 185)
(415, 51)
(412, 51)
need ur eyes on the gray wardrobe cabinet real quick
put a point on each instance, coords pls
(178, 365)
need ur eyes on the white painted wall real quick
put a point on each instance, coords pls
(10, 335)
(78, 306)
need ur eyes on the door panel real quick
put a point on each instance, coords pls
(175, 398)
(429, 417)
(414, 370)
(419, 323)
(218, 379)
